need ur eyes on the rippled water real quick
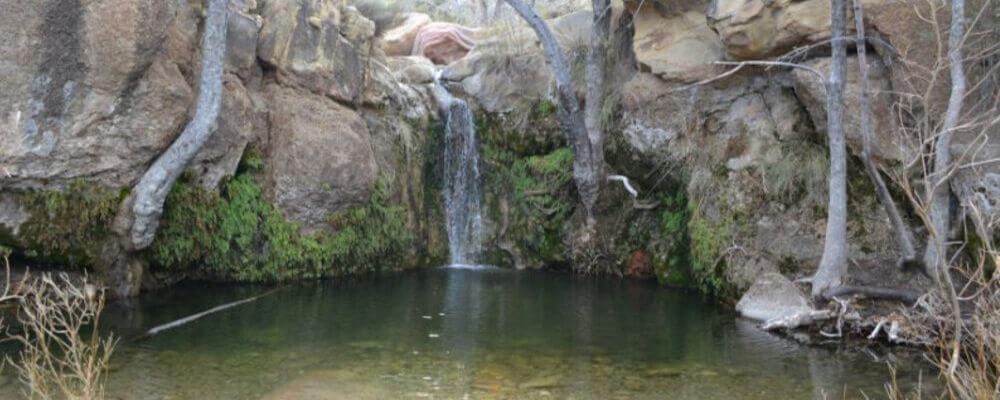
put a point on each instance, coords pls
(473, 334)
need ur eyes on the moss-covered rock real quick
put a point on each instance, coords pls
(67, 227)
(238, 235)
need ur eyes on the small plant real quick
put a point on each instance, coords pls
(63, 355)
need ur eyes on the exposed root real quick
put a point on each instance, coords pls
(908, 297)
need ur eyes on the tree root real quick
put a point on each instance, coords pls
(908, 297)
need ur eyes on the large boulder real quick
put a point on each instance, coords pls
(680, 47)
(444, 42)
(772, 296)
(302, 40)
(886, 142)
(240, 123)
(412, 69)
(320, 159)
(758, 29)
(241, 43)
(79, 95)
(398, 41)
(507, 71)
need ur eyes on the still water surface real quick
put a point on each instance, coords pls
(474, 334)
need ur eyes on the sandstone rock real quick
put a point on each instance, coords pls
(241, 44)
(886, 144)
(320, 159)
(12, 216)
(302, 41)
(412, 69)
(398, 41)
(680, 47)
(748, 271)
(508, 72)
(443, 42)
(240, 123)
(772, 296)
(82, 100)
(757, 29)
(358, 29)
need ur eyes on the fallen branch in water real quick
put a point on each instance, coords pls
(185, 320)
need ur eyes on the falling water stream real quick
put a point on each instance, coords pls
(462, 192)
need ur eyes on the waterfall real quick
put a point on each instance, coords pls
(462, 192)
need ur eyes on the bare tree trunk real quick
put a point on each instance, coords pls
(587, 143)
(139, 215)
(152, 189)
(833, 265)
(935, 257)
(589, 168)
(936, 252)
(903, 234)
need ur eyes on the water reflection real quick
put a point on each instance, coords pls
(470, 333)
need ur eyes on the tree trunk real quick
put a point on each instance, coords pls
(589, 165)
(935, 257)
(903, 235)
(139, 215)
(936, 252)
(833, 265)
(152, 189)
(587, 143)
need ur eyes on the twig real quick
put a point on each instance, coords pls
(812, 70)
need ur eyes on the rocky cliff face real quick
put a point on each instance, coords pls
(731, 165)
(312, 121)
(325, 159)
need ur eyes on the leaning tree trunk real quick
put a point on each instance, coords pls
(588, 159)
(139, 215)
(934, 256)
(903, 235)
(833, 265)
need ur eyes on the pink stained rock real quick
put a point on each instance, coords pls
(444, 42)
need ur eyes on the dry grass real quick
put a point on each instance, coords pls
(62, 354)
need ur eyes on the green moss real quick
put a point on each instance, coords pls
(708, 240)
(69, 226)
(532, 132)
(672, 262)
(238, 235)
(538, 190)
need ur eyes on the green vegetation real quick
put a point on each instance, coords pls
(69, 226)
(540, 190)
(708, 242)
(799, 174)
(673, 252)
(238, 235)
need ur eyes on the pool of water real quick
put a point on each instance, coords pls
(473, 334)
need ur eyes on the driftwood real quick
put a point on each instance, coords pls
(798, 319)
(174, 324)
